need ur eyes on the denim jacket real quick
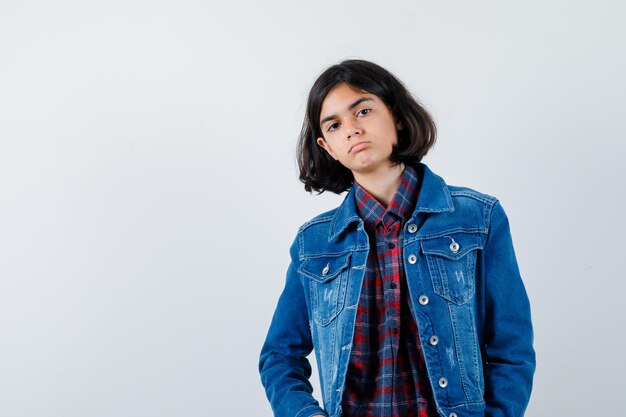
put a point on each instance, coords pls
(471, 307)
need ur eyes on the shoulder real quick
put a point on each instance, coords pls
(468, 200)
(321, 220)
(331, 233)
(441, 197)
(333, 219)
(454, 206)
(315, 229)
(465, 196)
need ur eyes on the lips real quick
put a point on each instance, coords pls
(358, 146)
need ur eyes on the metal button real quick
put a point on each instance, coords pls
(412, 259)
(326, 270)
(452, 414)
(443, 382)
(454, 247)
(434, 340)
(412, 228)
(423, 300)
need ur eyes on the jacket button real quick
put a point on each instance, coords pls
(423, 300)
(412, 228)
(326, 270)
(434, 340)
(452, 414)
(443, 382)
(454, 247)
(412, 259)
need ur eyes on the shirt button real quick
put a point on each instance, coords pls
(412, 228)
(423, 300)
(434, 340)
(412, 259)
(391, 245)
(393, 285)
(452, 414)
(443, 382)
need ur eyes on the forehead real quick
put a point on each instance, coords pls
(341, 96)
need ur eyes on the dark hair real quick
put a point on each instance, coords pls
(318, 170)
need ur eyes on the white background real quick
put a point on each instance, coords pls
(149, 193)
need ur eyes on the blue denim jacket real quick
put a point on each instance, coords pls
(469, 301)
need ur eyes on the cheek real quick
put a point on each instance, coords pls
(333, 145)
(394, 136)
(331, 150)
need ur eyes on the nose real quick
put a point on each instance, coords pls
(353, 130)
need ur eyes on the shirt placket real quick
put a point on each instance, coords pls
(385, 293)
(389, 259)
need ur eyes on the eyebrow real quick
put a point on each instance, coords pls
(350, 107)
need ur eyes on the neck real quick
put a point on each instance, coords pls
(382, 184)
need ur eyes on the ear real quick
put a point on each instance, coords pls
(322, 143)
(399, 125)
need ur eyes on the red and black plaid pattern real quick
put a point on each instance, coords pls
(386, 374)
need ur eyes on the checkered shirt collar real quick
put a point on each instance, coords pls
(401, 205)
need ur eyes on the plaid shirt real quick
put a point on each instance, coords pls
(386, 374)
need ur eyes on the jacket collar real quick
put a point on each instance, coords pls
(434, 197)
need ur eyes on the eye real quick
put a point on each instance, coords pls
(333, 126)
(363, 112)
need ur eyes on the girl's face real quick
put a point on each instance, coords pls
(358, 129)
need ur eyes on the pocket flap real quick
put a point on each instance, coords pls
(445, 245)
(324, 268)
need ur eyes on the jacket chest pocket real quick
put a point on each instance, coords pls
(452, 265)
(327, 278)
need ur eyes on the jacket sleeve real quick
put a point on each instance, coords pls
(283, 365)
(509, 357)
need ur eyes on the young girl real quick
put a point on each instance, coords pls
(409, 292)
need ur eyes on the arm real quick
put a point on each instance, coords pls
(509, 355)
(284, 368)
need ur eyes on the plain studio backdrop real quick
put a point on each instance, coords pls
(149, 191)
